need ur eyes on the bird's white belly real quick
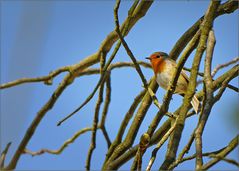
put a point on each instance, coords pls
(163, 79)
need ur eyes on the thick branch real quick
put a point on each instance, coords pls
(208, 101)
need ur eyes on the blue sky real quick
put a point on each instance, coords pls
(40, 36)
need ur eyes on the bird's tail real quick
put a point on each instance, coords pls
(195, 103)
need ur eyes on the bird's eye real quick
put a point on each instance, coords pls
(158, 56)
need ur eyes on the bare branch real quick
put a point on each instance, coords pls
(62, 148)
(140, 115)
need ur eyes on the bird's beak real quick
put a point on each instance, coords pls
(148, 58)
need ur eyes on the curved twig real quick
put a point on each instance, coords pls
(46, 79)
(64, 145)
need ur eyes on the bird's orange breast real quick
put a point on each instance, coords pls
(158, 65)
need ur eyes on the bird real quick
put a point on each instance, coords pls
(164, 67)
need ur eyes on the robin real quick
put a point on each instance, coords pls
(164, 67)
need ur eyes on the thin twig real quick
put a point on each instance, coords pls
(4, 154)
(201, 74)
(46, 79)
(187, 147)
(91, 71)
(221, 66)
(96, 115)
(105, 109)
(62, 148)
(106, 135)
(160, 143)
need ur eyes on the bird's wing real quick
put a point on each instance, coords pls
(183, 73)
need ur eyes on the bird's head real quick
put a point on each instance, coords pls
(157, 56)
(157, 60)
